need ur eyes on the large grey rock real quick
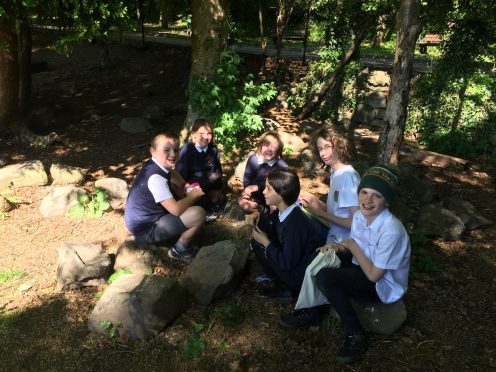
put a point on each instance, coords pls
(376, 100)
(67, 175)
(82, 265)
(435, 221)
(5, 205)
(293, 142)
(216, 270)
(423, 191)
(363, 114)
(29, 173)
(114, 187)
(378, 78)
(135, 125)
(307, 162)
(377, 317)
(140, 259)
(139, 306)
(233, 211)
(467, 213)
(59, 200)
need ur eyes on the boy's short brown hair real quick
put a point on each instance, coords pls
(339, 140)
(263, 140)
(166, 135)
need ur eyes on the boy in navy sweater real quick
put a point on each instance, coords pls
(283, 241)
(155, 212)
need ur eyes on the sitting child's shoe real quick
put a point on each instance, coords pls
(353, 349)
(186, 256)
(301, 318)
(279, 293)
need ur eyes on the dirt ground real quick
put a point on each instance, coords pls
(451, 312)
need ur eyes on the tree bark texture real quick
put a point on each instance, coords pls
(9, 78)
(24, 44)
(407, 31)
(345, 59)
(208, 40)
(285, 10)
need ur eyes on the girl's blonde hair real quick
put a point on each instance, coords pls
(339, 140)
(264, 139)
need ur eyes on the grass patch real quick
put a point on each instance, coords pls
(10, 274)
(7, 320)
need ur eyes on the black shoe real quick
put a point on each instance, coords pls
(278, 293)
(181, 256)
(353, 349)
(301, 318)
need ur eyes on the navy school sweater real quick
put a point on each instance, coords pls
(192, 163)
(255, 174)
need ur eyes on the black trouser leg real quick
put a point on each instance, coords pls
(339, 286)
(281, 276)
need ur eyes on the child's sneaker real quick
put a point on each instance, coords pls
(181, 256)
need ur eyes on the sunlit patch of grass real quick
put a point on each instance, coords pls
(10, 274)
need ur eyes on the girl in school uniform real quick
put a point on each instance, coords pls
(199, 164)
(267, 159)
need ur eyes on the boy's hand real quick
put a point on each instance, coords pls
(260, 236)
(196, 193)
(335, 247)
(252, 219)
(248, 190)
(309, 201)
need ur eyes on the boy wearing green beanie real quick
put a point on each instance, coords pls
(375, 261)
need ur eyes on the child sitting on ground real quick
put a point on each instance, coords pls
(333, 150)
(155, 212)
(283, 241)
(375, 263)
(267, 158)
(199, 164)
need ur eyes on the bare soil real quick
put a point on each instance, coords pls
(451, 312)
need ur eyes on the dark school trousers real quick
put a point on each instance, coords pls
(280, 276)
(341, 284)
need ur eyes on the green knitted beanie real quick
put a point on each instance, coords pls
(381, 178)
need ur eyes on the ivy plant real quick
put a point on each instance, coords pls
(90, 205)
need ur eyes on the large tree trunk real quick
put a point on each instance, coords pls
(345, 59)
(285, 10)
(208, 40)
(307, 26)
(407, 31)
(24, 43)
(380, 30)
(9, 79)
(263, 39)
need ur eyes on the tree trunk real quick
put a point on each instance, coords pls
(24, 44)
(208, 40)
(165, 13)
(305, 38)
(285, 10)
(263, 39)
(380, 30)
(407, 31)
(345, 59)
(9, 79)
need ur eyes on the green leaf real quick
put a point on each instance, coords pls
(83, 198)
(199, 327)
(105, 324)
(104, 205)
(118, 274)
(194, 347)
(76, 211)
(100, 196)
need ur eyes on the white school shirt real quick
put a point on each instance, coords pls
(385, 242)
(158, 185)
(343, 186)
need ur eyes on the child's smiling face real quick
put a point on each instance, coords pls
(269, 149)
(372, 203)
(202, 137)
(165, 151)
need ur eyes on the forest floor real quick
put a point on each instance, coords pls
(451, 310)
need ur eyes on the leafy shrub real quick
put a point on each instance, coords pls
(453, 116)
(196, 344)
(229, 102)
(341, 97)
(421, 255)
(90, 205)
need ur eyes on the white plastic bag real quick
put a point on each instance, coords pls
(310, 295)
